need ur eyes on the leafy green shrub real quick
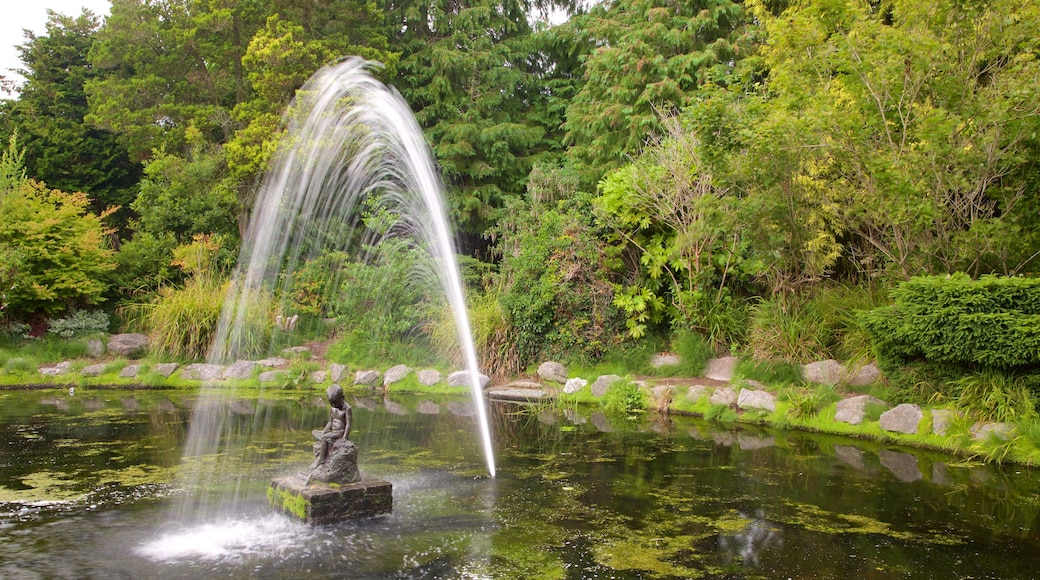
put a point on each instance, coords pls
(721, 413)
(807, 403)
(993, 321)
(181, 322)
(994, 396)
(79, 323)
(492, 336)
(693, 350)
(624, 399)
(558, 292)
(788, 328)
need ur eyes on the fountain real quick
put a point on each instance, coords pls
(351, 144)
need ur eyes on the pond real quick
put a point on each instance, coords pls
(89, 487)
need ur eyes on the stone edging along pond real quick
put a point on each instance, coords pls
(716, 395)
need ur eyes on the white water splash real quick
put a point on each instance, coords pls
(350, 140)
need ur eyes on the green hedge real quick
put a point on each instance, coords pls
(990, 322)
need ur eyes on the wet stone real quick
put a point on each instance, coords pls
(202, 372)
(93, 370)
(428, 377)
(130, 371)
(165, 369)
(320, 504)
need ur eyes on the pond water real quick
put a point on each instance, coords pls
(89, 485)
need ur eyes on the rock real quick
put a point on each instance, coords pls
(296, 351)
(695, 392)
(93, 370)
(202, 372)
(986, 430)
(941, 419)
(553, 371)
(902, 419)
(721, 369)
(866, 375)
(337, 372)
(854, 409)
(368, 378)
(662, 394)
(825, 372)
(95, 347)
(754, 384)
(756, 399)
(461, 379)
(130, 371)
(902, 465)
(428, 377)
(273, 377)
(322, 504)
(664, 359)
(165, 369)
(273, 362)
(396, 374)
(57, 370)
(128, 345)
(723, 396)
(240, 369)
(340, 466)
(318, 376)
(574, 385)
(602, 384)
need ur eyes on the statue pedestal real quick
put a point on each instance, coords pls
(320, 503)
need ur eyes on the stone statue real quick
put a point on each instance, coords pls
(335, 455)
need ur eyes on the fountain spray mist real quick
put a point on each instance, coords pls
(351, 144)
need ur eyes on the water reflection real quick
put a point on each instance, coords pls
(579, 494)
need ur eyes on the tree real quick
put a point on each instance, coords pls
(649, 58)
(52, 249)
(470, 72)
(61, 148)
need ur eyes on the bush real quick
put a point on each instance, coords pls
(991, 322)
(624, 399)
(79, 323)
(558, 292)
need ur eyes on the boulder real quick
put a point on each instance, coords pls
(367, 378)
(723, 396)
(428, 377)
(695, 392)
(756, 399)
(59, 369)
(95, 347)
(93, 370)
(240, 369)
(319, 376)
(941, 419)
(165, 369)
(395, 374)
(337, 372)
(662, 394)
(854, 409)
(721, 369)
(273, 362)
(553, 371)
(296, 351)
(574, 385)
(825, 372)
(341, 464)
(602, 384)
(273, 377)
(130, 371)
(986, 430)
(202, 372)
(462, 379)
(128, 345)
(664, 359)
(866, 375)
(902, 419)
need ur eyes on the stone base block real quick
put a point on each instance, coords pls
(319, 503)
